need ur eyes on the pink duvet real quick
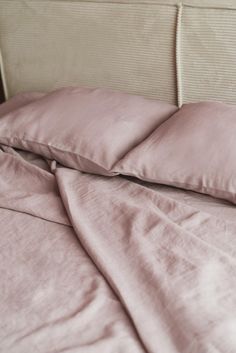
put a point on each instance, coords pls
(91, 264)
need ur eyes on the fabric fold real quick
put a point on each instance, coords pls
(27, 188)
(172, 267)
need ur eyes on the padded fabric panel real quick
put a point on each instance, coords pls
(208, 54)
(50, 44)
(199, 3)
(121, 44)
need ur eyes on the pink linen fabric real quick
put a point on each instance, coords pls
(171, 266)
(195, 149)
(28, 188)
(82, 128)
(91, 264)
(52, 297)
(129, 270)
(19, 101)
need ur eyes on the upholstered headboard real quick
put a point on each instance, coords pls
(178, 52)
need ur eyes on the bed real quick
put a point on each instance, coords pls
(118, 176)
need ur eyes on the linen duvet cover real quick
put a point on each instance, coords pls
(94, 263)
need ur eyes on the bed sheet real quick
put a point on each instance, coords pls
(92, 264)
(216, 207)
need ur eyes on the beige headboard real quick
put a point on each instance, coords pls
(178, 52)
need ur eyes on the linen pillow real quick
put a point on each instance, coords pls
(195, 149)
(82, 128)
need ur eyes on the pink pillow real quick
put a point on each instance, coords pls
(195, 149)
(82, 128)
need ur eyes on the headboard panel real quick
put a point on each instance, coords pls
(154, 48)
(208, 54)
(123, 46)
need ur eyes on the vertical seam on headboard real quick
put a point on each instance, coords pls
(3, 76)
(178, 53)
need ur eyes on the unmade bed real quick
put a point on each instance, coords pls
(117, 199)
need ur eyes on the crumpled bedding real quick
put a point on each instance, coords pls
(97, 264)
